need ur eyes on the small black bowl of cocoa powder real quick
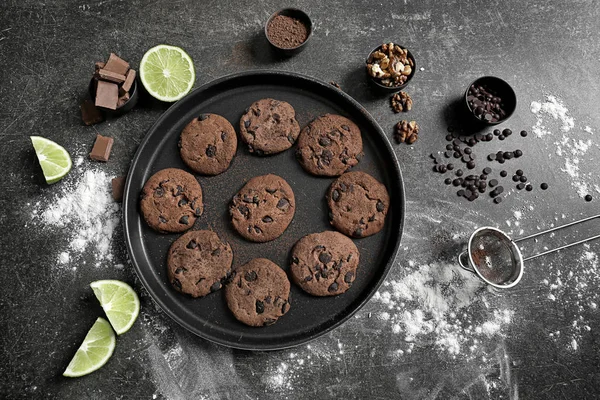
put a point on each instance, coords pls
(288, 30)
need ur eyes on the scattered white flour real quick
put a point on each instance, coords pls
(437, 304)
(86, 213)
(570, 146)
(576, 290)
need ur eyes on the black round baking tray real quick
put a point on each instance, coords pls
(309, 317)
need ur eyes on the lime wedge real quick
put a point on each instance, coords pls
(94, 352)
(53, 158)
(167, 72)
(119, 301)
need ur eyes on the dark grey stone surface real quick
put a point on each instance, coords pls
(542, 48)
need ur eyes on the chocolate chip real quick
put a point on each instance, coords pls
(283, 204)
(260, 307)
(211, 151)
(192, 244)
(544, 186)
(459, 172)
(267, 219)
(335, 195)
(247, 123)
(198, 212)
(515, 178)
(325, 257)
(503, 173)
(160, 192)
(223, 136)
(507, 132)
(175, 282)
(493, 182)
(588, 197)
(448, 181)
(523, 179)
(460, 193)
(497, 132)
(348, 277)
(523, 133)
(324, 141)
(380, 206)
(501, 137)
(202, 117)
(457, 154)
(487, 170)
(471, 164)
(333, 287)
(520, 186)
(285, 307)
(250, 276)
(180, 270)
(358, 232)
(450, 167)
(215, 286)
(162, 219)
(518, 153)
(498, 200)
(257, 230)
(529, 187)
(182, 202)
(245, 211)
(184, 220)
(519, 172)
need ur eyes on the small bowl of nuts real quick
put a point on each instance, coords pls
(391, 66)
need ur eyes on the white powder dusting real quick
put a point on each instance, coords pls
(571, 146)
(85, 212)
(435, 304)
(576, 290)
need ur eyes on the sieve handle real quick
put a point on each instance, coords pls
(466, 267)
(556, 229)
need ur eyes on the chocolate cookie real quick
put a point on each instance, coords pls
(263, 208)
(171, 200)
(329, 145)
(258, 293)
(198, 263)
(207, 144)
(358, 204)
(269, 126)
(324, 264)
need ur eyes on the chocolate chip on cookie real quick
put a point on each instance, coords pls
(258, 292)
(207, 144)
(329, 145)
(262, 210)
(198, 263)
(324, 264)
(171, 200)
(269, 126)
(358, 204)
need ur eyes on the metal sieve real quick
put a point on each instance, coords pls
(496, 258)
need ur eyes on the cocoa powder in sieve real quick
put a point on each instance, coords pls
(287, 32)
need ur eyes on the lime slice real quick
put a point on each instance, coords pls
(53, 158)
(119, 301)
(94, 352)
(167, 72)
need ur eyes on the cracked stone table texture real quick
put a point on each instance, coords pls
(548, 349)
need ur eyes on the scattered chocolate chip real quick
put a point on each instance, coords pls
(588, 197)
(518, 153)
(520, 186)
(182, 202)
(333, 287)
(192, 244)
(471, 164)
(507, 132)
(523, 179)
(487, 170)
(529, 188)
(501, 137)
(324, 141)
(448, 181)
(358, 232)
(459, 172)
(503, 173)
(215, 286)
(198, 212)
(450, 167)
(335, 195)
(184, 220)
(493, 182)
(523, 133)
(515, 178)
(544, 186)
(498, 200)
(460, 193)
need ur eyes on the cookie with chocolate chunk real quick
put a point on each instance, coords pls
(329, 145)
(258, 292)
(207, 144)
(269, 126)
(324, 264)
(262, 210)
(171, 200)
(198, 263)
(358, 204)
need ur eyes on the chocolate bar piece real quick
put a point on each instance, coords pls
(129, 80)
(116, 64)
(123, 99)
(90, 114)
(118, 184)
(111, 76)
(102, 148)
(107, 95)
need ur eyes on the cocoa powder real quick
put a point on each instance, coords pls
(287, 32)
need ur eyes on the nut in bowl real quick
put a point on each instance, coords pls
(391, 66)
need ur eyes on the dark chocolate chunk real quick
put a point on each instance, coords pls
(184, 220)
(102, 147)
(250, 276)
(215, 286)
(260, 307)
(325, 257)
(211, 151)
